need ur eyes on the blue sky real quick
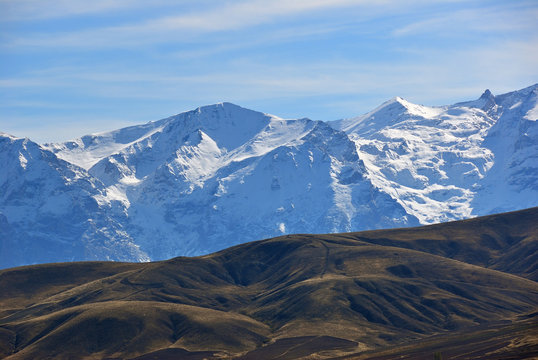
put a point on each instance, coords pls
(72, 67)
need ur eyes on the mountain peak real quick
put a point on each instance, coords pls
(486, 101)
(228, 124)
(229, 108)
(390, 112)
(222, 115)
(397, 101)
(487, 95)
(219, 106)
(399, 105)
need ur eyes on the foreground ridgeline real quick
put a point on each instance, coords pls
(222, 175)
(464, 289)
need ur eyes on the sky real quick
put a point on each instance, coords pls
(74, 67)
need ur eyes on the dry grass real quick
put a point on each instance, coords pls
(312, 296)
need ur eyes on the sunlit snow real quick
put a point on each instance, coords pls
(221, 175)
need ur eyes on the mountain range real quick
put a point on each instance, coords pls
(222, 175)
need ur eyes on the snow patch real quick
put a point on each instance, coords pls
(532, 114)
(23, 161)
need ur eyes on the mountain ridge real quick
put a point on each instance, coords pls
(444, 163)
(51, 204)
(221, 175)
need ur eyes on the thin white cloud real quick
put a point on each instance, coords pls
(279, 36)
(495, 19)
(26, 82)
(251, 11)
(246, 14)
(231, 16)
(27, 10)
(248, 11)
(432, 75)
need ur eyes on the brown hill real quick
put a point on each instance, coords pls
(506, 242)
(317, 296)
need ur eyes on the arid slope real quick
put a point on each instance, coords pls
(283, 298)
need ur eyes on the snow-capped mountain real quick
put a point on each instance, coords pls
(194, 183)
(452, 162)
(221, 175)
(512, 181)
(49, 211)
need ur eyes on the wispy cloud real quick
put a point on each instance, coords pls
(495, 18)
(27, 10)
(27, 82)
(279, 36)
(230, 16)
(510, 63)
(241, 15)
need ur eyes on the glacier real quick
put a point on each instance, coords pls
(221, 175)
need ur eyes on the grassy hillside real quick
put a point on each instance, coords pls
(362, 294)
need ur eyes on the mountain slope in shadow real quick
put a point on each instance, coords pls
(282, 298)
